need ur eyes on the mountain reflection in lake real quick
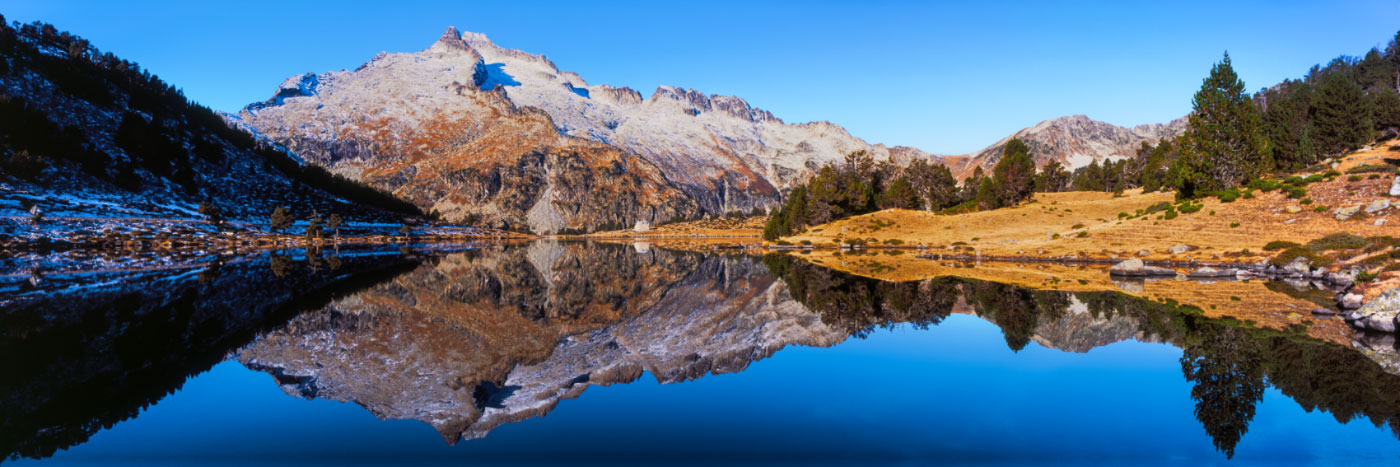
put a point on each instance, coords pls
(475, 341)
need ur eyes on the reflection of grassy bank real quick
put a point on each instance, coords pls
(1255, 302)
(1229, 361)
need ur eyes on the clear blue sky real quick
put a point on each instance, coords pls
(948, 78)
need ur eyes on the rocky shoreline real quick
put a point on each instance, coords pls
(1381, 314)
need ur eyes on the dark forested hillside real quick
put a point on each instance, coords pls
(86, 134)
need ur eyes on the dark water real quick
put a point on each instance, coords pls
(578, 353)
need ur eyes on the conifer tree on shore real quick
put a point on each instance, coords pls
(1224, 146)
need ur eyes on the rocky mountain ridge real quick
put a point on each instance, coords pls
(1075, 141)
(474, 130)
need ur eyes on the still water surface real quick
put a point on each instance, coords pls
(599, 354)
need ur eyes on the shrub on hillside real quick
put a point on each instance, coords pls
(1372, 168)
(1288, 256)
(1338, 241)
(1280, 245)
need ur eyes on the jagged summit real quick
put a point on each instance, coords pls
(452, 39)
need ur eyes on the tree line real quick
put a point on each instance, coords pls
(860, 185)
(1232, 138)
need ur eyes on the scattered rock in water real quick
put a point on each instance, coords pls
(1179, 249)
(1299, 267)
(1351, 300)
(1377, 206)
(1395, 187)
(1293, 209)
(1346, 212)
(1380, 314)
(1135, 267)
(1208, 271)
(1341, 280)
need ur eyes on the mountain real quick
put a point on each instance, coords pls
(86, 134)
(474, 130)
(465, 128)
(1075, 141)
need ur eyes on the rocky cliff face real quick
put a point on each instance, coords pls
(1075, 141)
(470, 128)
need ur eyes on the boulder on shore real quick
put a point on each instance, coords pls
(1351, 300)
(1381, 313)
(1208, 271)
(1135, 267)
(1347, 212)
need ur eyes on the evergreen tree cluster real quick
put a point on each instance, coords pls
(860, 185)
(1333, 109)
(1234, 137)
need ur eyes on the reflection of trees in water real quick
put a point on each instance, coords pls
(1226, 367)
(100, 355)
(859, 305)
(1016, 310)
(1229, 364)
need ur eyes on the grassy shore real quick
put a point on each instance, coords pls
(1105, 226)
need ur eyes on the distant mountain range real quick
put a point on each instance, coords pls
(1076, 141)
(476, 131)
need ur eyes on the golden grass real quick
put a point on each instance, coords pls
(1051, 224)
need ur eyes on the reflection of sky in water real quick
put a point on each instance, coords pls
(952, 392)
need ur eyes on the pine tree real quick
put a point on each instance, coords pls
(1089, 178)
(900, 195)
(1341, 115)
(1052, 178)
(986, 197)
(971, 184)
(1385, 108)
(333, 223)
(281, 219)
(1014, 174)
(934, 183)
(1224, 145)
(1284, 119)
(943, 188)
(313, 227)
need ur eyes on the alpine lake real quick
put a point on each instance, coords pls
(605, 353)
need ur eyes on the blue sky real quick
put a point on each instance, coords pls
(945, 77)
